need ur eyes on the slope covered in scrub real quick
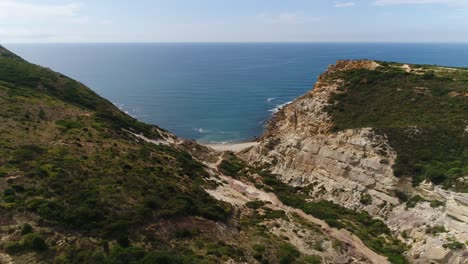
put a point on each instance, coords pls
(422, 110)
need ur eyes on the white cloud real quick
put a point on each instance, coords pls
(344, 4)
(285, 18)
(17, 10)
(37, 21)
(421, 2)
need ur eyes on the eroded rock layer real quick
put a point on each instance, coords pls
(353, 168)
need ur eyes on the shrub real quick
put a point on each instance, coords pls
(70, 124)
(411, 203)
(186, 232)
(434, 230)
(287, 253)
(232, 166)
(26, 229)
(13, 247)
(402, 196)
(119, 255)
(259, 248)
(404, 234)
(366, 199)
(8, 192)
(436, 203)
(26, 153)
(454, 245)
(255, 204)
(35, 242)
(123, 241)
(31, 241)
(161, 258)
(313, 259)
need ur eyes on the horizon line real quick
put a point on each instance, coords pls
(244, 42)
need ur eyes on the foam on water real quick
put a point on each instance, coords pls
(215, 92)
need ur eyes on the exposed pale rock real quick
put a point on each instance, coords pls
(299, 146)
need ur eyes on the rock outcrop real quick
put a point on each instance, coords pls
(353, 168)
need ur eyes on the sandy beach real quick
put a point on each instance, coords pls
(234, 147)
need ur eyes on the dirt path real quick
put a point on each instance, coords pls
(234, 147)
(343, 236)
(238, 193)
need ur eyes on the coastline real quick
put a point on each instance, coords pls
(234, 147)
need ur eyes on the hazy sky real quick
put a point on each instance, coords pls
(233, 20)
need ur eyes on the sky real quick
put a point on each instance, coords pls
(45, 21)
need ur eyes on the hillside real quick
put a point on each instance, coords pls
(385, 138)
(82, 182)
(363, 169)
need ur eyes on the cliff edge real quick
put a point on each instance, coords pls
(386, 138)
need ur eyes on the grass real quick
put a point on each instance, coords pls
(422, 114)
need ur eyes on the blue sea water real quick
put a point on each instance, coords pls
(215, 92)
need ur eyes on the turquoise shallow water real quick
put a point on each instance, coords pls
(215, 92)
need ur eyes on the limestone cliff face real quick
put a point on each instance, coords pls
(353, 168)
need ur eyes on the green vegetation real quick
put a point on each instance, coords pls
(436, 203)
(366, 199)
(374, 233)
(78, 187)
(232, 166)
(31, 241)
(26, 80)
(313, 259)
(422, 113)
(287, 254)
(434, 230)
(69, 164)
(411, 203)
(454, 244)
(26, 229)
(255, 204)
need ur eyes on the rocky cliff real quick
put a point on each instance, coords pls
(306, 145)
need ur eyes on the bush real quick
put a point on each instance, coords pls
(123, 241)
(314, 259)
(13, 247)
(26, 153)
(161, 258)
(232, 166)
(8, 192)
(31, 241)
(411, 203)
(186, 232)
(434, 230)
(26, 229)
(35, 242)
(70, 124)
(259, 248)
(119, 255)
(436, 175)
(436, 203)
(402, 196)
(287, 253)
(255, 204)
(454, 245)
(366, 199)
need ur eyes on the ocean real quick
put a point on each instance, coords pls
(215, 92)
